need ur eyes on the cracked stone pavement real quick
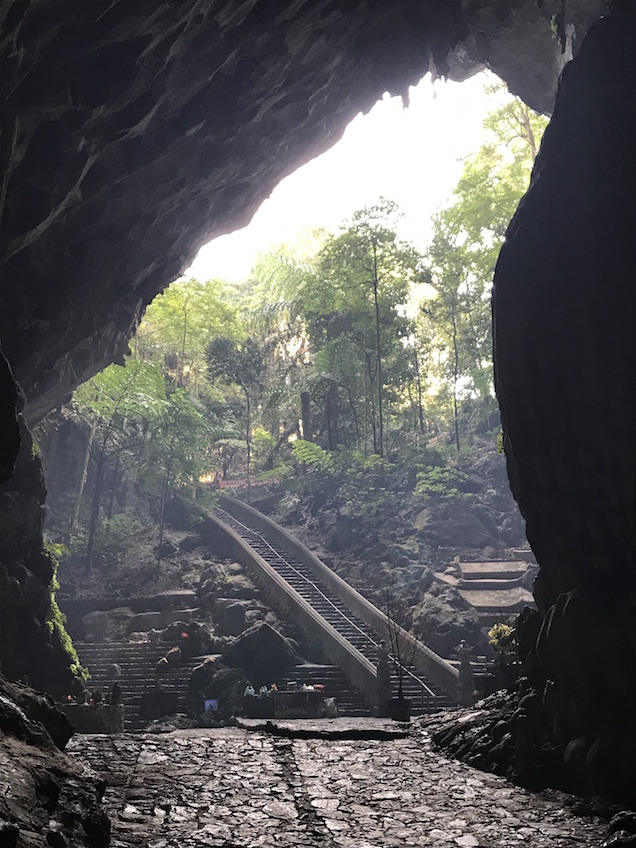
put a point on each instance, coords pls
(240, 788)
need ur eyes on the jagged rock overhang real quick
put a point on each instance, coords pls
(133, 133)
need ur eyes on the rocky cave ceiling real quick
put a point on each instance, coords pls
(133, 133)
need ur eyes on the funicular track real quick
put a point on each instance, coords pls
(301, 578)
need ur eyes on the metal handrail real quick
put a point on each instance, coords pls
(423, 686)
(300, 574)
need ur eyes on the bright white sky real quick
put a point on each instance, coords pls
(413, 156)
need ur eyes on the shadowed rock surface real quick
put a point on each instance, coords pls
(564, 320)
(131, 133)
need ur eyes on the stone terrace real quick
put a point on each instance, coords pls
(242, 788)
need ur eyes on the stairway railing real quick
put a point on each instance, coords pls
(339, 650)
(426, 662)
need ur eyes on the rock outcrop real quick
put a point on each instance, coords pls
(47, 797)
(565, 355)
(132, 134)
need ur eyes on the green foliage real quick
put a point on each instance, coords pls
(178, 327)
(366, 491)
(114, 539)
(467, 237)
(56, 620)
(502, 638)
(441, 483)
(312, 455)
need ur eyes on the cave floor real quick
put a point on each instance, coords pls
(241, 788)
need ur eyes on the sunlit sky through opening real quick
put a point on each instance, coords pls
(412, 155)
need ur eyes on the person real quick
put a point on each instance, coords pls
(115, 694)
(114, 671)
(174, 655)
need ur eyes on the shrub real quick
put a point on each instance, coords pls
(442, 483)
(114, 537)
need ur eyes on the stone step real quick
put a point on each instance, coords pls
(493, 569)
(507, 601)
(137, 662)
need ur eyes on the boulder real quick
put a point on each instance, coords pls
(455, 524)
(145, 621)
(230, 621)
(189, 543)
(262, 652)
(443, 619)
(212, 680)
(108, 624)
(241, 587)
(32, 716)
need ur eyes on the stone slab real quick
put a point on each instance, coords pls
(495, 599)
(501, 570)
(247, 789)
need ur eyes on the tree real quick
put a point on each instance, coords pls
(180, 449)
(120, 403)
(353, 305)
(467, 237)
(241, 363)
(178, 326)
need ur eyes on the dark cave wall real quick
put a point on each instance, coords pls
(565, 346)
(134, 137)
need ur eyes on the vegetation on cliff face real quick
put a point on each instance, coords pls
(358, 376)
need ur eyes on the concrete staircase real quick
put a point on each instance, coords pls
(336, 683)
(300, 577)
(497, 589)
(137, 662)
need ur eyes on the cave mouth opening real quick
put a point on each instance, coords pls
(410, 152)
(575, 482)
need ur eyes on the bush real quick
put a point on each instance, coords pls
(502, 638)
(114, 537)
(441, 483)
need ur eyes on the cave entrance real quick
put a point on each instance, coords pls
(371, 372)
(412, 153)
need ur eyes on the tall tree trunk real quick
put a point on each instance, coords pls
(83, 477)
(164, 497)
(352, 407)
(95, 507)
(420, 405)
(248, 439)
(455, 379)
(330, 413)
(305, 414)
(378, 349)
(113, 487)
